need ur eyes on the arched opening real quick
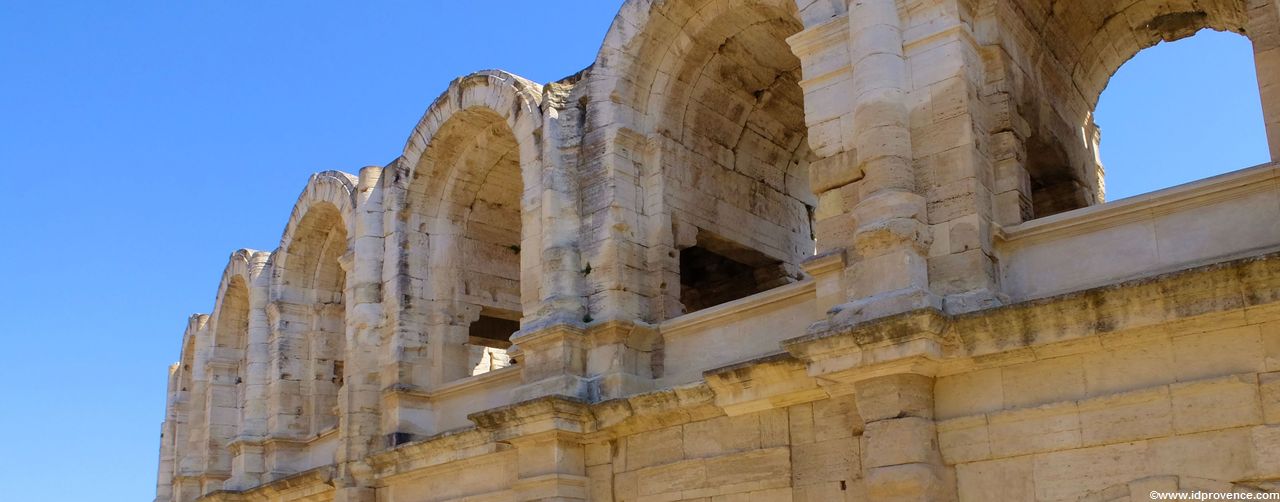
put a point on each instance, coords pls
(316, 280)
(465, 220)
(1047, 68)
(226, 372)
(233, 331)
(1181, 111)
(726, 111)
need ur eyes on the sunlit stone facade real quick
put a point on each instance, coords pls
(760, 250)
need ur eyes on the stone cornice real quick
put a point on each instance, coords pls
(535, 416)
(318, 479)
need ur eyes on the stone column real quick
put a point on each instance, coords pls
(551, 282)
(900, 456)
(358, 399)
(248, 464)
(869, 204)
(888, 272)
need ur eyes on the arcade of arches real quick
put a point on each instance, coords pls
(760, 250)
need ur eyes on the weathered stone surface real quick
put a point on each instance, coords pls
(759, 251)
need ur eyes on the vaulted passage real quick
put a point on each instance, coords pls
(465, 241)
(317, 281)
(729, 118)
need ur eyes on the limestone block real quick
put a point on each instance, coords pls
(1045, 428)
(800, 423)
(965, 439)
(1269, 394)
(834, 418)
(1066, 475)
(774, 428)
(721, 435)
(1226, 455)
(1217, 353)
(626, 486)
(674, 477)
(1126, 417)
(1218, 403)
(600, 482)
(770, 466)
(899, 441)
(834, 172)
(895, 396)
(1040, 382)
(825, 462)
(1270, 332)
(906, 482)
(655, 447)
(1129, 367)
(1005, 479)
(598, 453)
(968, 393)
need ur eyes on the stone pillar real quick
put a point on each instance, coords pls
(194, 454)
(247, 464)
(949, 132)
(1264, 31)
(547, 434)
(551, 467)
(288, 323)
(164, 469)
(620, 358)
(607, 360)
(220, 428)
(358, 398)
(553, 362)
(900, 456)
(186, 488)
(889, 365)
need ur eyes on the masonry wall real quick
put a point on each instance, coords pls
(761, 250)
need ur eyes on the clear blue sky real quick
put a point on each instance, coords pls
(145, 141)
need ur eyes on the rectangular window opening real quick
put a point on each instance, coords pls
(717, 271)
(489, 338)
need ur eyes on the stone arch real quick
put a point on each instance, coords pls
(227, 367)
(189, 449)
(307, 312)
(1054, 60)
(233, 297)
(706, 102)
(473, 212)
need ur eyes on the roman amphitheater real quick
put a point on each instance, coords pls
(760, 250)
